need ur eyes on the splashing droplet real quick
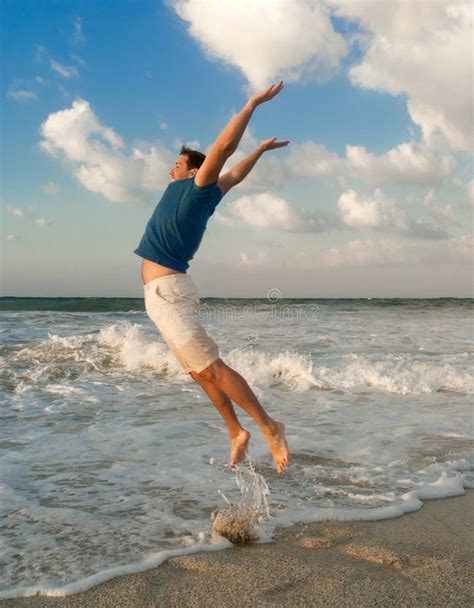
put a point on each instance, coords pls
(239, 522)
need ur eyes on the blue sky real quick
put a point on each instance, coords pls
(373, 197)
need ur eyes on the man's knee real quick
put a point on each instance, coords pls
(195, 376)
(213, 372)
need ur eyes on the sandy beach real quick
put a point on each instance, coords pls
(420, 559)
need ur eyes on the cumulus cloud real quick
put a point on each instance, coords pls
(310, 159)
(95, 155)
(194, 144)
(422, 50)
(391, 252)
(382, 213)
(290, 39)
(366, 253)
(376, 212)
(270, 171)
(268, 212)
(408, 163)
(441, 211)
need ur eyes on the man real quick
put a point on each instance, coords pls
(172, 237)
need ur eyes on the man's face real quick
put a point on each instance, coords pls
(180, 169)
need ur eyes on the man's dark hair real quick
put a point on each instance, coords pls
(194, 159)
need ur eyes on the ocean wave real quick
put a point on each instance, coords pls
(130, 347)
(399, 374)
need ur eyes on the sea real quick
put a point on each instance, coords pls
(112, 458)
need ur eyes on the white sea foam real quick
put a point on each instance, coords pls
(287, 369)
(152, 561)
(399, 374)
(130, 346)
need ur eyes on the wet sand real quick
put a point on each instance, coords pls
(420, 559)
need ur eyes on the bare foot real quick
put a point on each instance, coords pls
(277, 442)
(238, 446)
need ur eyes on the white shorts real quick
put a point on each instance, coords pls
(172, 303)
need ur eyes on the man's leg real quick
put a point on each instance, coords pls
(236, 388)
(239, 437)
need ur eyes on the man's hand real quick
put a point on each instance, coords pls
(266, 95)
(272, 144)
(229, 138)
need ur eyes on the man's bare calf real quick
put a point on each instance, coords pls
(231, 386)
(239, 437)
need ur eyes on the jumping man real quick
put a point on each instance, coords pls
(171, 239)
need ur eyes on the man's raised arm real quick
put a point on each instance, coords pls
(228, 140)
(243, 168)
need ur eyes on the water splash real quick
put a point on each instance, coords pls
(239, 522)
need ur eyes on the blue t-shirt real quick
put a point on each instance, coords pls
(174, 231)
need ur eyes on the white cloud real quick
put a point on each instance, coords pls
(422, 50)
(78, 59)
(441, 211)
(470, 193)
(366, 253)
(265, 211)
(51, 188)
(407, 163)
(78, 35)
(391, 252)
(377, 212)
(270, 171)
(163, 125)
(42, 221)
(29, 215)
(266, 41)
(268, 212)
(256, 260)
(194, 144)
(382, 213)
(94, 154)
(21, 94)
(13, 237)
(66, 71)
(310, 159)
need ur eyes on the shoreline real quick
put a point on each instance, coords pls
(422, 558)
